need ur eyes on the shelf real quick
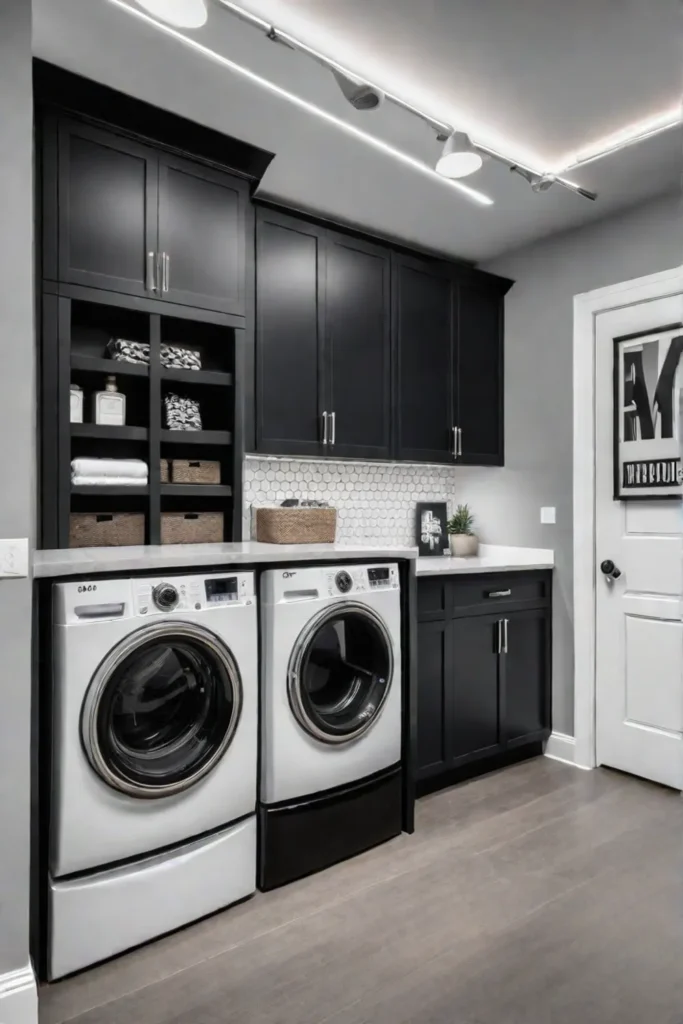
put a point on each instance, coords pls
(217, 437)
(109, 366)
(115, 490)
(104, 432)
(196, 490)
(197, 377)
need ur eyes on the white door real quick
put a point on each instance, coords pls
(639, 633)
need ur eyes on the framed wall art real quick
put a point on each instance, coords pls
(648, 381)
(431, 535)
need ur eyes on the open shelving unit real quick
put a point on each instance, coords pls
(77, 325)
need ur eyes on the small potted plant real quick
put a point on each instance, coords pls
(463, 542)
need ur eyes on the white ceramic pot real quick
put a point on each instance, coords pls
(463, 545)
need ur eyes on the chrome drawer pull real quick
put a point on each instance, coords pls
(500, 593)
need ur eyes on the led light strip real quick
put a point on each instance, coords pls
(623, 138)
(310, 108)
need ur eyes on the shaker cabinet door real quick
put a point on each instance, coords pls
(476, 712)
(106, 210)
(202, 241)
(527, 675)
(289, 325)
(358, 348)
(434, 698)
(480, 376)
(423, 326)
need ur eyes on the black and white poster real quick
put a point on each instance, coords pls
(648, 378)
(430, 527)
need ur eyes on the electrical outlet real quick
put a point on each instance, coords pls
(548, 514)
(14, 558)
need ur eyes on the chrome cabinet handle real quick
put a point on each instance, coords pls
(151, 272)
(500, 636)
(333, 437)
(166, 263)
(459, 440)
(505, 636)
(325, 429)
(455, 442)
(499, 593)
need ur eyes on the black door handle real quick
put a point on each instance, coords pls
(609, 569)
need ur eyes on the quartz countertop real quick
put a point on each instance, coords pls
(491, 558)
(80, 561)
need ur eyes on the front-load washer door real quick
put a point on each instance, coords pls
(161, 709)
(340, 673)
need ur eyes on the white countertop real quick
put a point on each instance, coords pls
(80, 561)
(491, 558)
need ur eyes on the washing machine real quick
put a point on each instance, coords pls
(154, 759)
(331, 716)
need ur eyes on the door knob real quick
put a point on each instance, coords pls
(609, 569)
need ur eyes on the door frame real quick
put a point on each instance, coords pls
(587, 306)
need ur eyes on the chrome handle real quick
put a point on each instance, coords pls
(499, 593)
(99, 611)
(333, 438)
(325, 429)
(455, 442)
(151, 272)
(500, 636)
(459, 440)
(166, 262)
(505, 636)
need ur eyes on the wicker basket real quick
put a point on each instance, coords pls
(296, 525)
(106, 529)
(164, 471)
(191, 527)
(195, 471)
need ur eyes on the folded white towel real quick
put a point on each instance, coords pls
(133, 468)
(80, 480)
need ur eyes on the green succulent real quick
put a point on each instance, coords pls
(462, 521)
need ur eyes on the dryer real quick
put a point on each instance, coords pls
(154, 759)
(331, 716)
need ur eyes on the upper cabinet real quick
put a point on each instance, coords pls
(364, 352)
(125, 217)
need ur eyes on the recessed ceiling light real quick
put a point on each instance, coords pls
(181, 13)
(459, 157)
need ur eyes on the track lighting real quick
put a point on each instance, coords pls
(459, 157)
(542, 182)
(181, 13)
(359, 94)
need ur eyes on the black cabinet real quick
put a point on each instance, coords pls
(323, 357)
(126, 217)
(479, 412)
(423, 326)
(289, 328)
(483, 671)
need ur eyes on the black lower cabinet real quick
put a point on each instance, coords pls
(301, 837)
(483, 674)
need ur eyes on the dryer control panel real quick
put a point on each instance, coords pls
(180, 593)
(361, 579)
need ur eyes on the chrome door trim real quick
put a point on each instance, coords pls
(98, 685)
(296, 658)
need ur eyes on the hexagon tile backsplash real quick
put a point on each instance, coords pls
(375, 501)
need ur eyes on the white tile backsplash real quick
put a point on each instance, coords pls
(375, 501)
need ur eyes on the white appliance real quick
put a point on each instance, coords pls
(331, 715)
(154, 759)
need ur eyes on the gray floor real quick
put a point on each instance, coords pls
(538, 895)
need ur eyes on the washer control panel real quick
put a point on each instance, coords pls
(184, 593)
(361, 579)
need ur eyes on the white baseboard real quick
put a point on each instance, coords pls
(560, 747)
(19, 997)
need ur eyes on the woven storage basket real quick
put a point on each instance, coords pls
(195, 471)
(164, 471)
(191, 527)
(99, 530)
(296, 525)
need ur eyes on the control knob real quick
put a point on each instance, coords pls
(165, 597)
(343, 581)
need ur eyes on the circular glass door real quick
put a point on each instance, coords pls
(340, 672)
(161, 709)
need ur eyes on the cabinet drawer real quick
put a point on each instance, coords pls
(489, 592)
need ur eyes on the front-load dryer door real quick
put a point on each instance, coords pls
(161, 709)
(340, 673)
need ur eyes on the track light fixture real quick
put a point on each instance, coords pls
(542, 182)
(180, 13)
(359, 94)
(459, 157)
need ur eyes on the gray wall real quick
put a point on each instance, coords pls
(538, 392)
(17, 457)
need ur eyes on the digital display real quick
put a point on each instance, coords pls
(378, 574)
(224, 589)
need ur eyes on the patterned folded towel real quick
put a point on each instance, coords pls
(182, 413)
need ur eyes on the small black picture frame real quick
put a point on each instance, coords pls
(431, 535)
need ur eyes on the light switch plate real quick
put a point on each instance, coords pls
(14, 558)
(548, 514)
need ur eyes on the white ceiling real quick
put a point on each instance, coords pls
(538, 78)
